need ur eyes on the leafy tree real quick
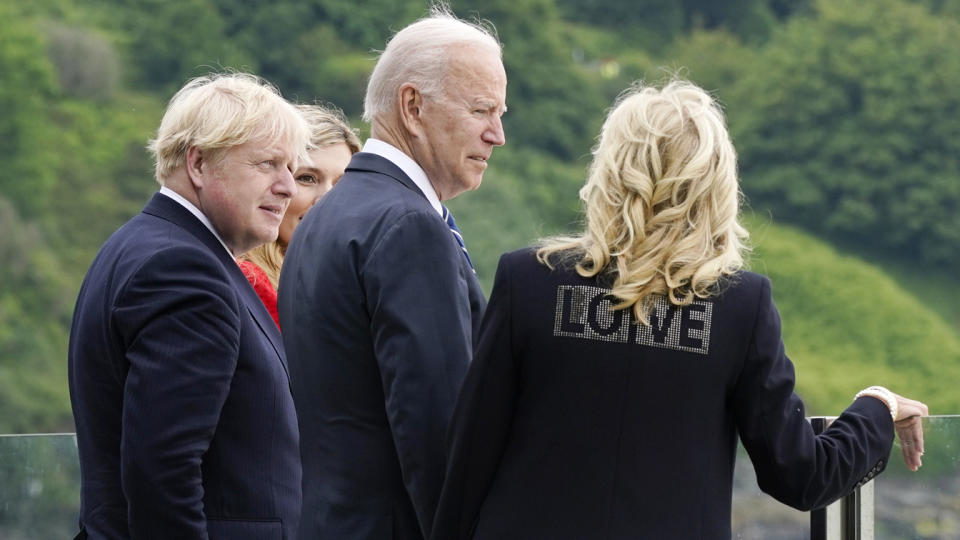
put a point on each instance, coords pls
(338, 74)
(325, 68)
(846, 124)
(369, 28)
(649, 23)
(713, 59)
(34, 315)
(950, 8)
(28, 87)
(749, 19)
(87, 64)
(104, 171)
(169, 42)
(658, 22)
(554, 106)
(316, 48)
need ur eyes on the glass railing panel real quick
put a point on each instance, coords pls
(39, 486)
(922, 505)
(40, 492)
(758, 516)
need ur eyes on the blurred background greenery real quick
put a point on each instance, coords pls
(845, 113)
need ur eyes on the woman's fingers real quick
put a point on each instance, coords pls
(910, 433)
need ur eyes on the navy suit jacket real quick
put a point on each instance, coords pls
(379, 308)
(574, 422)
(185, 422)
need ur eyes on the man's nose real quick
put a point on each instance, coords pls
(285, 184)
(494, 134)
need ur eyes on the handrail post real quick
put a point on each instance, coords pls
(850, 518)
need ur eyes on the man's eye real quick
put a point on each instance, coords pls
(307, 179)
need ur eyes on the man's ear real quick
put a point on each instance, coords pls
(198, 167)
(411, 108)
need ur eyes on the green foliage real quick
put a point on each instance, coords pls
(848, 325)
(34, 317)
(652, 22)
(335, 74)
(87, 64)
(846, 125)
(27, 88)
(554, 107)
(316, 48)
(370, 27)
(170, 42)
(658, 22)
(713, 59)
(104, 171)
(949, 8)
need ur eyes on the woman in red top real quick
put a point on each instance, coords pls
(333, 143)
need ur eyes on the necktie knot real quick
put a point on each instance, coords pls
(448, 217)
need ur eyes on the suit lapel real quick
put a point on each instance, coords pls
(166, 208)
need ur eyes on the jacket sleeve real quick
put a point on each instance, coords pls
(794, 465)
(178, 316)
(482, 419)
(420, 321)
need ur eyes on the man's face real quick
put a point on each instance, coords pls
(461, 126)
(247, 192)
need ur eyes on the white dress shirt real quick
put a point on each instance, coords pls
(196, 212)
(408, 166)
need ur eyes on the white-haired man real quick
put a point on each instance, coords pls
(185, 422)
(378, 299)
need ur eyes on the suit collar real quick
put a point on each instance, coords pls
(411, 168)
(167, 209)
(196, 213)
(367, 162)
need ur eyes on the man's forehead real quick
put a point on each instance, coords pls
(265, 146)
(477, 77)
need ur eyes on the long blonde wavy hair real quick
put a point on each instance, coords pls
(327, 127)
(662, 200)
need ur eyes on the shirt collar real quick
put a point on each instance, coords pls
(164, 190)
(408, 166)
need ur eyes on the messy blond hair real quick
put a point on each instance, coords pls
(327, 128)
(219, 111)
(662, 200)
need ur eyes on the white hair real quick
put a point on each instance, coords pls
(419, 54)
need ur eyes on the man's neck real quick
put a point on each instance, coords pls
(392, 135)
(194, 208)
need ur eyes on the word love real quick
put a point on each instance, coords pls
(587, 313)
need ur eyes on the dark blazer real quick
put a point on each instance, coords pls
(575, 423)
(185, 423)
(379, 308)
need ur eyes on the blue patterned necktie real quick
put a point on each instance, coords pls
(448, 217)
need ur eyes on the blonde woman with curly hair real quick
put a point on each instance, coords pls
(332, 143)
(615, 369)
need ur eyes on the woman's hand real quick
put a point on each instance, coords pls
(909, 430)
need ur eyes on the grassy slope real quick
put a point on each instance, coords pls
(847, 325)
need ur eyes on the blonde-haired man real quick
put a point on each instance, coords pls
(185, 423)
